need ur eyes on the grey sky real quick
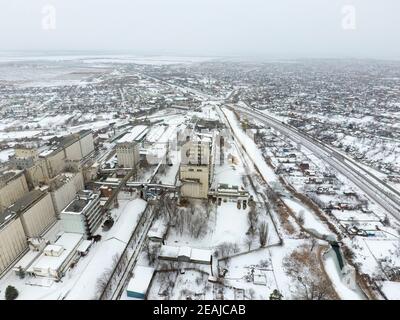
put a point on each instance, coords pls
(206, 27)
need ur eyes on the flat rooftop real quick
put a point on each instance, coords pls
(69, 242)
(141, 279)
(136, 133)
(8, 175)
(77, 206)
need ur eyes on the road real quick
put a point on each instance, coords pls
(381, 193)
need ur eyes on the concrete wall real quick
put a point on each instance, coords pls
(190, 187)
(55, 163)
(73, 152)
(65, 194)
(87, 145)
(12, 243)
(37, 174)
(12, 191)
(74, 223)
(39, 217)
(128, 155)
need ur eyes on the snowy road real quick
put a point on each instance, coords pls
(377, 190)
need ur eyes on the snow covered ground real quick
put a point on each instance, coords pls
(251, 148)
(311, 221)
(5, 154)
(333, 271)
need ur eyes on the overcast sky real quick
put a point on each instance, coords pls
(271, 28)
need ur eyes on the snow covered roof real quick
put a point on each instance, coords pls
(157, 230)
(53, 250)
(141, 279)
(201, 255)
(135, 133)
(195, 255)
(169, 252)
(155, 133)
(26, 260)
(69, 241)
(84, 246)
(184, 252)
(391, 289)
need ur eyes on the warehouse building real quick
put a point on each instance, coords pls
(140, 282)
(56, 258)
(185, 254)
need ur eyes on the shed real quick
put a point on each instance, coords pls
(184, 254)
(83, 248)
(140, 282)
(201, 256)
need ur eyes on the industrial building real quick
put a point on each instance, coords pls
(83, 215)
(56, 258)
(29, 217)
(66, 149)
(13, 186)
(185, 254)
(37, 174)
(128, 154)
(128, 146)
(63, 189)
(36, 211)
(24, 157)
(197, 165)
(12, 240)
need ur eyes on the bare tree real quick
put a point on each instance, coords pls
(102, 281)
(300, 217)
(252, 217)
(151, 252)
(304, 267)
(248, 241)
(263, 234)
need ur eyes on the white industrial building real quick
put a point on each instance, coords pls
(140, 282)
(83, 215)
(197, 166)
(128, 154)
(127, 147)
(56, 258)
(70, 148)
(185, 254)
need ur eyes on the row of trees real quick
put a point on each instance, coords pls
(256, 227)
(192, 219)
(304, 267)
